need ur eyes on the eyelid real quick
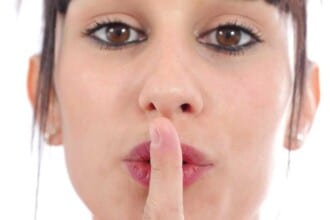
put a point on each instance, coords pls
(234, 24)
(113, 18)
(230, 18)
(97, 25)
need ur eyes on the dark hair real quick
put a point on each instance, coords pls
(297, 9)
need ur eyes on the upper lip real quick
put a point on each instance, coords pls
(190, 155)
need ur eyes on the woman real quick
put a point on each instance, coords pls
(173, 109)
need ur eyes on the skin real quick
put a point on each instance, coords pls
(106, 101)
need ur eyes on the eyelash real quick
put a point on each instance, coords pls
(255, 36)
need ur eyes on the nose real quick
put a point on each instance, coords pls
(170, 90)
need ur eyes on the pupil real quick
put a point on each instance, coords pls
(228, 37)
(118, 33)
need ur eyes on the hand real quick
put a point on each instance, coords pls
(165, 197)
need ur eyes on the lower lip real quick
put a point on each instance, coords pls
(140, 171)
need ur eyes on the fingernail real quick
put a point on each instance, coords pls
(154, 136)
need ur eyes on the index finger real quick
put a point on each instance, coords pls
(165, 198)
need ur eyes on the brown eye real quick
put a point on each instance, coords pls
(228, 37)
(118, 33)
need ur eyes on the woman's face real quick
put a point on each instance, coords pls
(218, 70)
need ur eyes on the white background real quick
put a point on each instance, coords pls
(307, 196)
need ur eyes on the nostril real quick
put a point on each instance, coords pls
(185, 107)
(151, 107)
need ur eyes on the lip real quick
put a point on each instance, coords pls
(195, 164)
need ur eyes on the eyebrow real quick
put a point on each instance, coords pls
(62, 5)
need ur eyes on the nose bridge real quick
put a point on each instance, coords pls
(169, 88)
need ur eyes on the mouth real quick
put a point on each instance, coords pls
(194, 164)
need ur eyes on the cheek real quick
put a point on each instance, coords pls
(257, 103)
(93, 97)
(92, 100)
(260, 109)
(251, 102)
(92, 91)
